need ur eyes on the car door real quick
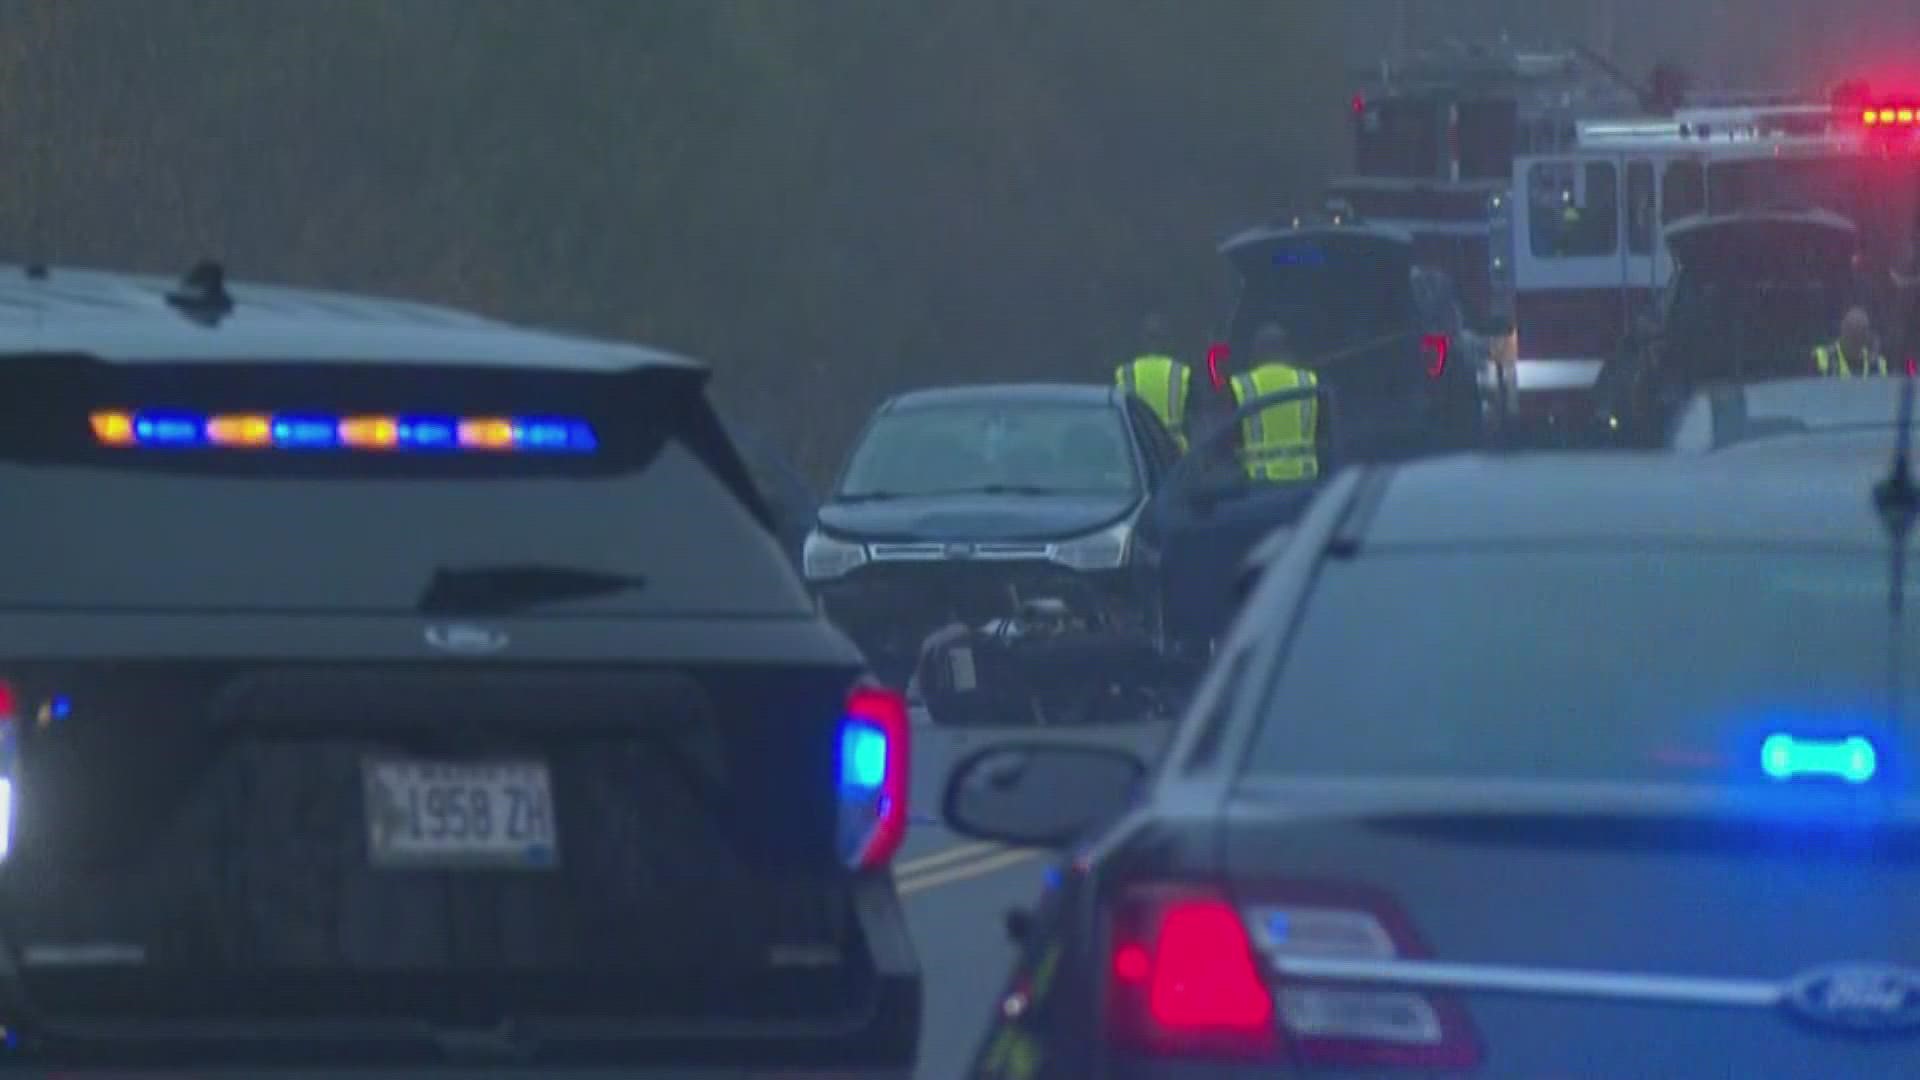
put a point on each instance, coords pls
(1209, 516)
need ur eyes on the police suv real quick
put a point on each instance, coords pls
(385, 686)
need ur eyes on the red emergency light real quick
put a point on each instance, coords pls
(1890, 115)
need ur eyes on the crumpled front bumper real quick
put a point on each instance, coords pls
(890, 610)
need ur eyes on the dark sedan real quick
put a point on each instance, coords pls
(1532, 768)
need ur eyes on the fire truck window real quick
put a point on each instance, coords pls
(1567, 222)
(1640, 208)
(1683, 191)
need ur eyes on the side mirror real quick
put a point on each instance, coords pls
(1036, 794)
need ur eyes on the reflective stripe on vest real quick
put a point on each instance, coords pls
(1278, 441)
(1832, 360)
(1162, 382)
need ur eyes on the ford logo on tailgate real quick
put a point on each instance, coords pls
(466, 638)
(1863, 998)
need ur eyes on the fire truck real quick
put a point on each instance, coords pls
(1543, 184)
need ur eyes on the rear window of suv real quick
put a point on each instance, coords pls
(1666, 665)
(137, 528)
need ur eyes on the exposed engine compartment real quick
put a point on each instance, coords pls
(1069, 656)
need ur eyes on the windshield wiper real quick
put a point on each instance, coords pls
(504, 588)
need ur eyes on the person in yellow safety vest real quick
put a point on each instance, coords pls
(1853, 353)
(1156, 378)
(1279, 443)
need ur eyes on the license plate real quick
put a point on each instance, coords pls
(432, 815)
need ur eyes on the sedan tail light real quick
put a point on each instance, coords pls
(1195, 975)
(1434, 349)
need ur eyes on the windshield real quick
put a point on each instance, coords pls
(1038, 448)
(1611, 666)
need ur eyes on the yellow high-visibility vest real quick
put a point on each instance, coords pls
(1278, 442)
(1162, 382)
(1831, 360)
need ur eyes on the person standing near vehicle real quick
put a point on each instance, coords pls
(1155, 377)
(1854, 352)
(1279, 443)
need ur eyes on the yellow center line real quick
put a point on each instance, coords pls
(973, 869)
(943, 857)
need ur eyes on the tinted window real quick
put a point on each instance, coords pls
(1683, 191)
(1640, 208)
(1487, 132)
(1573, 211)
(1632, 665)
(1063, 447)
(367, 535)
(1875, 194)
(1399, 138)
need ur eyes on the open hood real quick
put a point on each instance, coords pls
(1800, 243)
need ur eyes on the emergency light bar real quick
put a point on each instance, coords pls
(1787, 757)
(311, 431)
(1900, 116)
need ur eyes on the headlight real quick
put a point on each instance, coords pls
(823, 557)
(1104, 550)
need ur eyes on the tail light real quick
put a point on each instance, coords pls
(1913, 366)
(1196, 975)
(872, 765)
(1434, 348)
(1217, 354)
(9, 754)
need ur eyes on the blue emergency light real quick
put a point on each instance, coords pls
(322, 431)
(1791, 757)
(863, 757)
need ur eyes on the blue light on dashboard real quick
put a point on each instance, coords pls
(1789, 757)
(863, 756)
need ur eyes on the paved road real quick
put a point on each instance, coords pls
(955, 891)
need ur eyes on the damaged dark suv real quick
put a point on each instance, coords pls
(985, 538)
